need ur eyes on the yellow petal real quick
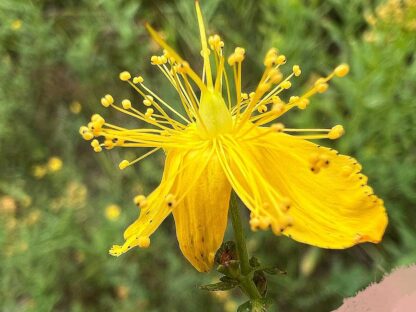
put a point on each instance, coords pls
(201, 217)
(333, 208)
(154, 210)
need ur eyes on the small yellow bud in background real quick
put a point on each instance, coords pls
(16, 24)
(342, 70)
(124, 76)
(123, 164)
(112, 212)
(39, 171)
(75, 107)
(54, 164)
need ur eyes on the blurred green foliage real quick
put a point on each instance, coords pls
(54, 231)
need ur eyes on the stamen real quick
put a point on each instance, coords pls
(125, 163)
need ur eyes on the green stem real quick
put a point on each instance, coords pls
(247, 275)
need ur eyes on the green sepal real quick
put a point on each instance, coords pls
(256, 305)
(220, 286)
(254, 262)
(273, 271)
(260, 281)
(231, 269)
(226, 253)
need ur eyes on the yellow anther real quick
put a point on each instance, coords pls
(123, 164)
(270, 61)
(252, 94)
(277, 229)
(98, 149)
(126, 104)
(108, 143)
(277, 100)
(149, 112)
(109, 98)
(293, 99)
(240, 51)
(95, 117)
(86, 133)
(183, 68)
(264, 223)
(281, 59)
(138, 79)
(215, 43)
(341, 70)
(95, 143)
(303, 103)
(124, 76)
(262, 109)
(139, 200)
(271, 52)
(278, 107)
(244, 96)
(83, 129)
(143, 242)
(170, 200)
(322, 87)
(153, 59)
(336, 132)
(104, 102)
(286, 84)
(231, 60)
(254, 223)
(278, 127)
(296, 70)
(148, 100)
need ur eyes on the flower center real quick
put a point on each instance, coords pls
(215, 118)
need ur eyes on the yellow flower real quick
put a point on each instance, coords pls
(16, 24)
(112, 212)
(75, 107)
(54, 164)
(223, 141)
(39, 171)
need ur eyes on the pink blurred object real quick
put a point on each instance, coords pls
(395, 293)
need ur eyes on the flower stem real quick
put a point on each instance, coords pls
(246, 272)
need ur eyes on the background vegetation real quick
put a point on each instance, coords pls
(62, 206)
